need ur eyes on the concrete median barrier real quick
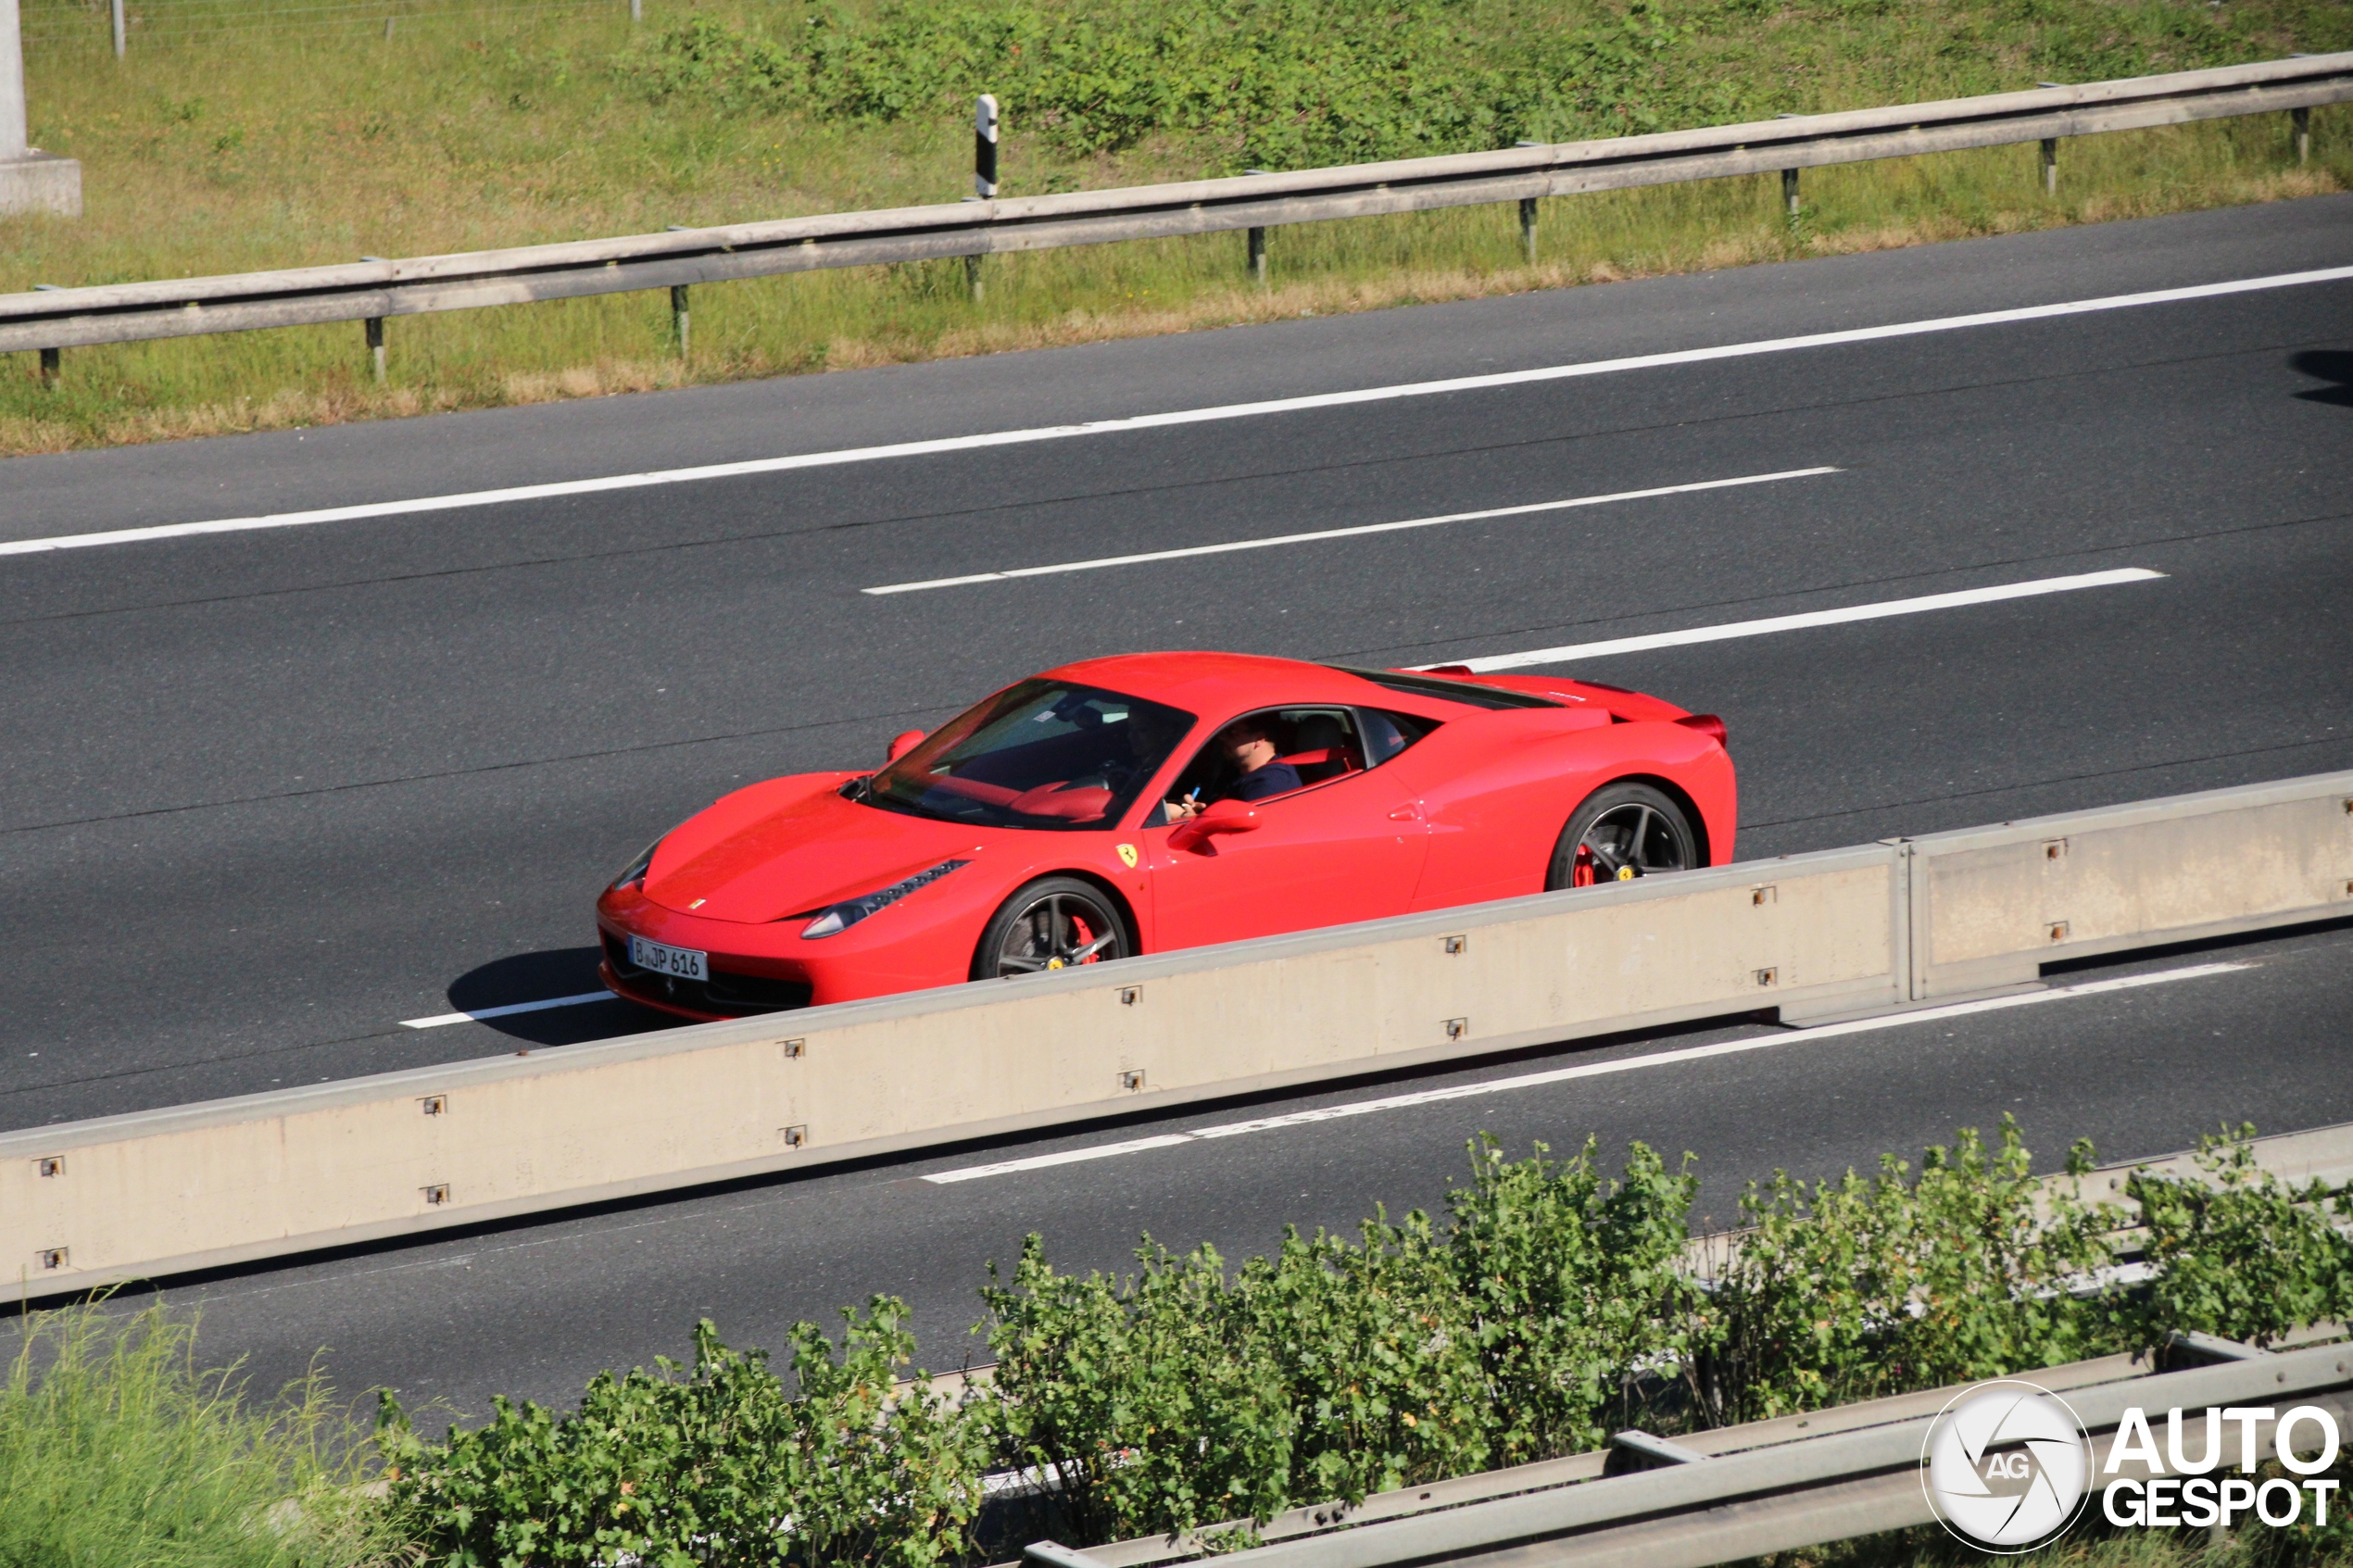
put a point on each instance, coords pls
(160, 1192)
(1991, 905)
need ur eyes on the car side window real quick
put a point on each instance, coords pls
(1387, 735)
(1319, 744)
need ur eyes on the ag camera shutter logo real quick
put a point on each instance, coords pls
(2007, 1467)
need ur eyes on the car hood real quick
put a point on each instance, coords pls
(783, 847)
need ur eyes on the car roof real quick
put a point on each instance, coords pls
(1219, 683)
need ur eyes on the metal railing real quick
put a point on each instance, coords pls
(51, 319)
(1739, 1492)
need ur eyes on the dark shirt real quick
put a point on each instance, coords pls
(1276, 778)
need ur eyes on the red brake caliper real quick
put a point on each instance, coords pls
(1581, 869)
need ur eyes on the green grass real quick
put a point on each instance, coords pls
(474, 127)
(117, 1450)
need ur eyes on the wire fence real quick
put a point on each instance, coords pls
(75, 24)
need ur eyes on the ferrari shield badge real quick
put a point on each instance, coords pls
(1126, 855)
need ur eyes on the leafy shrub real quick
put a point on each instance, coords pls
(1274, 84)
(1549, 1307)
(1859, 1288)
(2249, 1256)
(1178, 1397)
(1138, 1397)
(721, 1466)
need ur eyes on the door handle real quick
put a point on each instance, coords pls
(1409, 812)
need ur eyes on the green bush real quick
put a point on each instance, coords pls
(721, 1466)
(1275, 83)
(1298, 84)
(1860, 1287)
(116, 1452)
(2242, 1254)
(1550, 1306)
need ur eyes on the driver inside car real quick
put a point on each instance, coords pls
(1258, 776)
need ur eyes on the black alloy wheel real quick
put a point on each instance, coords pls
(1622, 832)
(1055, 922)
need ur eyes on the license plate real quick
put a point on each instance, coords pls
(680, 963)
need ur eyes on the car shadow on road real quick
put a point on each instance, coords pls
(2329, 365)
(543, 976)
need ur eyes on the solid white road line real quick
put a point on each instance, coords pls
(1068, 1156)
(1179, 417)
(1797, 622)
(438, 1020)
(1097, 565)
(1593, 1070)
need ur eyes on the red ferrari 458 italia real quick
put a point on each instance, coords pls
(1156, 801)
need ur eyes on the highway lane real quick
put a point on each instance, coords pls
(284, 790)
(537, 1308)
(268, 795)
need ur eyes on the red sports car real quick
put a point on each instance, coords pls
(1154, 801)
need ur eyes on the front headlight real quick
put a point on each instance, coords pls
(638, 868)
(838, 918)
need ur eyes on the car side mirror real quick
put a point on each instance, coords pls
(901, 744)
(1218, 816)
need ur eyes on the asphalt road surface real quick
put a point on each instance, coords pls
(269, 793)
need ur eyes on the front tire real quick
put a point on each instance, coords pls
(1055, 922)
(1622, 832)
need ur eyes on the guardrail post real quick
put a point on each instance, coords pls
(678, 316)
(1527, 227)
(1258, 256)
(52, 367)
(1788, 191)
(376, 345)
(121, 35)
(2301, 121)
(983, 174)
(2050, 166)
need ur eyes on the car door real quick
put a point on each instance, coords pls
(1345, 847)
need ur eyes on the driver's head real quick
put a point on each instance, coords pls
(1247, 744)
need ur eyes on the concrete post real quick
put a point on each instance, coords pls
(122, 32)
(31, 179)
(12, 120)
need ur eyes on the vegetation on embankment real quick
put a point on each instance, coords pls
(117, 1450)
(1548, 1307)
(476, 125)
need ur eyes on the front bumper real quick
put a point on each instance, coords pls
(726, 994)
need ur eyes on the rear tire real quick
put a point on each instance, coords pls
(1054, 922)
(1621, 832)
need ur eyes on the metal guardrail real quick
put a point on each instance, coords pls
(1736, 1492)
(52, 320)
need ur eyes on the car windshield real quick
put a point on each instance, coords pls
(1041, 754)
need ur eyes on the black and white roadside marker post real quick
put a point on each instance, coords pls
(983, 173)
(985, 148)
